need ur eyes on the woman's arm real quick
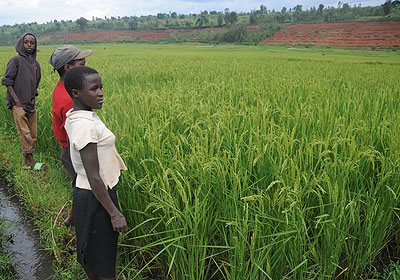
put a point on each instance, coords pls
(90, 162)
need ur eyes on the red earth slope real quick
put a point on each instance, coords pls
(345, 34)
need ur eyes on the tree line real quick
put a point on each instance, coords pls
(235, 21)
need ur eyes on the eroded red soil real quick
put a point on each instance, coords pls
(345, 34)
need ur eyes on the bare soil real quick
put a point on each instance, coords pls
(344, 34)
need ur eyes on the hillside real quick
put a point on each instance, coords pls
(207, 26)
(125, 35)
(345, 34)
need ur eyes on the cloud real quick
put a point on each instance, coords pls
(18, 11)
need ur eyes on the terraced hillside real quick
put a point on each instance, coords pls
(345, 34)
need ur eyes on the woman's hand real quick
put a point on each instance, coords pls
(119, 223)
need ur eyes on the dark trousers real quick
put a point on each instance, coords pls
(96, 241)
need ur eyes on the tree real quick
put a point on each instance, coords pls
(202, 20)
(133, 24)
(253, 18)
(231, 18)
(345, 9)
(173, 14)
(220, 19)
(263, 9)
(321, 8)
(283, 11)
(298, 8)
(82, 22)
(226, 17)
(298, 11)
(57, 26)
(330, 14)
(387, 7)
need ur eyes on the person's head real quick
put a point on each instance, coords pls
(29, 44)
(84, 86)
(67, 57)
(26, 45)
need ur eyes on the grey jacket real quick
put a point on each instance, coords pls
(23, 74)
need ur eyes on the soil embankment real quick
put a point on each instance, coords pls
(344, 34)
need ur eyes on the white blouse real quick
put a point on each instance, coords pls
(84, 127)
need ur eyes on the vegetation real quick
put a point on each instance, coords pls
(390, 10)
(244, 162)
(7, 271)
(392, 272)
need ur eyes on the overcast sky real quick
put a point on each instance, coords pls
(19, 11)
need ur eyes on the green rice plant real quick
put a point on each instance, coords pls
(248, 162)
(392, 272)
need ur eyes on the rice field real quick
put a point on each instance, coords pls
(248, 162)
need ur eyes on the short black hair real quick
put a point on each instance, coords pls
(76, 76)
(61, 71)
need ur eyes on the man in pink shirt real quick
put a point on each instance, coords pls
(63, 59)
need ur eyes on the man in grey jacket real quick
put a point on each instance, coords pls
(22, 78)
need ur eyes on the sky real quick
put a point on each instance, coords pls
(41, 11)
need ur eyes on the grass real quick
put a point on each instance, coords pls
(244, 162)
(392, 272)
(7, 271)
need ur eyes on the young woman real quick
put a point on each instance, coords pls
(97, 218)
